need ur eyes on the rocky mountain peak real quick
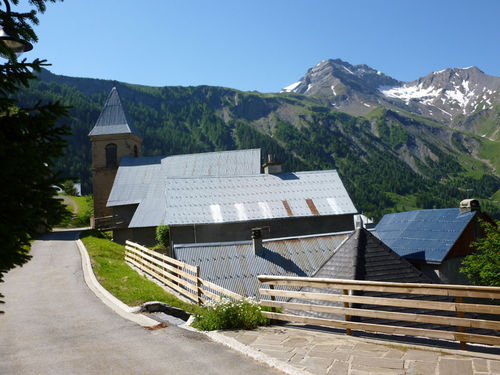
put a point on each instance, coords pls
(330, 78)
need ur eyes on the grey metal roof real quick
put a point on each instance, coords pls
(133, 180)
(152, 207)
(426, 235)
(222, 163)
(234, 265)
(243, 198)
(113, 118)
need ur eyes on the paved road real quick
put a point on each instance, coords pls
(53, 324)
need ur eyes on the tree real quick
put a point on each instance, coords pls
(483, 266)
(69, 188)
(32, 140)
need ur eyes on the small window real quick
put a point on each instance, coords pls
(111, 160)
(135, 151)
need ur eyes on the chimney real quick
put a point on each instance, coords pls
(272, 166)
(468, 205)
(257, 241)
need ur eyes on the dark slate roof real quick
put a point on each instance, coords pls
(113, 118)
(364, 257)
(424, 235)
(234, 265)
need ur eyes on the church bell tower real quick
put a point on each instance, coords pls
(112, 137)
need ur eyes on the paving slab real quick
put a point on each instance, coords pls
(325, 353)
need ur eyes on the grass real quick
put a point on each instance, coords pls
(491, 150)
(115, 275)
(80, 218)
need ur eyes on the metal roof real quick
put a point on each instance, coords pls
(426, 235)
(113, 118)
(264, 196)
(152, 202)
(222, 163)
(234, 265)
(133, 179)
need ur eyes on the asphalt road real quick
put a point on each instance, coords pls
(53, 324)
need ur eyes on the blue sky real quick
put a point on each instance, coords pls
(263, 45)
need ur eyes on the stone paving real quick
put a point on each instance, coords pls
(316, 352)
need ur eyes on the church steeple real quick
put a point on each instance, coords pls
(113, 137)
(113, 118)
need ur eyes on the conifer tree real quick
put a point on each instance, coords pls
(32, 139)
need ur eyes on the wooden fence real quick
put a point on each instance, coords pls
(179, 276)
(402, 296)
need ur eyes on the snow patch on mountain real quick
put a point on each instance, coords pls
(409, 92)
(291, 87)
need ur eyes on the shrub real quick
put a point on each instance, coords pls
(228, 314)
(163, 235)
(68, 188)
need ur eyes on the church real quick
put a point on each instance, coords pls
(208, 197)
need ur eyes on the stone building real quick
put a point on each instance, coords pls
(113, 137)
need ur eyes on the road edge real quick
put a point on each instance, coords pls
(125, 311)
(131, 313)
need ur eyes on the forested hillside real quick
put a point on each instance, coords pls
(389, 160)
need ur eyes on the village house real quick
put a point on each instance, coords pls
(435, 241)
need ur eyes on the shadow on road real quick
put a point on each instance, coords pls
(61, 235)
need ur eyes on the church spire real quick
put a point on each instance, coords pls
(113, 118)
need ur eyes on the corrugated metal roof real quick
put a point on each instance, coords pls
(113, 118)
(426, 235)
(133, 180)
(152, 207)
(234, 266)
(242, 198)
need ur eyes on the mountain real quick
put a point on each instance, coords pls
(390, 158)
(464, 99)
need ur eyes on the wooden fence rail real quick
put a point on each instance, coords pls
(412, 301)
(182, 277)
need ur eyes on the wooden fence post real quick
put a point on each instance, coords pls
(347, 317)
(273, 309)
(460, 314)
(198, 286)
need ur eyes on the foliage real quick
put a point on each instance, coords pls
(228, 314)
(483, 266)
(85, 210)
(382, 160)
(163, 235)
(32, 142)
(108, 263)
(69, 188)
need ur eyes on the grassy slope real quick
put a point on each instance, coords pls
(120, 279)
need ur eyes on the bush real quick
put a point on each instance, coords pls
(483, 266)
(228, 314)
(163, 235)
(68, 187)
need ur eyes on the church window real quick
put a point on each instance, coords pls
(135, 151)
(111, 159)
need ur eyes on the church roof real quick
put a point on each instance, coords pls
(141, 180)
(113, 118)
(224, 199)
